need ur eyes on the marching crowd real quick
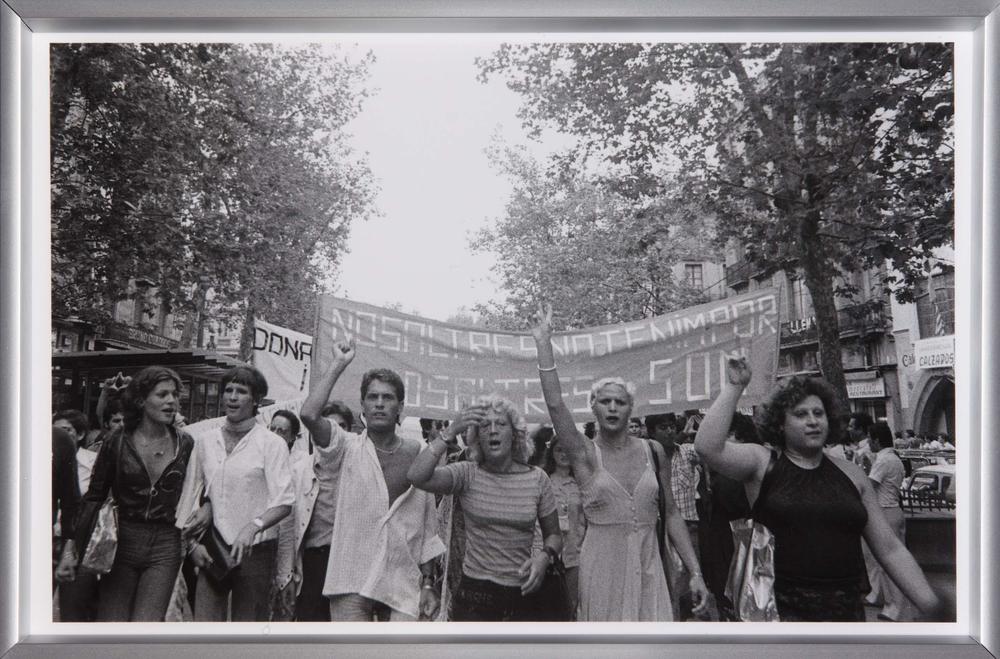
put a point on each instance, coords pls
(629, 520)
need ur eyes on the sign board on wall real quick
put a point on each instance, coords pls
(935, 352)
(866, 389)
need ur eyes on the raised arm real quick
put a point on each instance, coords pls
(570, 439)
(312, 407)
(424, 472)
(742, 462)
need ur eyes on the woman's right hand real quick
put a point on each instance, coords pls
(738, 371)
(200, 557)
(470, 416)
(542, 328)
(198, 522)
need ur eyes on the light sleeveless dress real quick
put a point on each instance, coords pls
(621, 575)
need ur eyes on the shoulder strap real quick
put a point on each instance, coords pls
(661, 503)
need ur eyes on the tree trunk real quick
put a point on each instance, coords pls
(819, 280)
(246, 336)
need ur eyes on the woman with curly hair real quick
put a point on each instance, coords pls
(817, 507)
(502, 497)
(142, 465)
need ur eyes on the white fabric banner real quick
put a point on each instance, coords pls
(284, 357)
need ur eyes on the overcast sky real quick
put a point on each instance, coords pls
(425, 130)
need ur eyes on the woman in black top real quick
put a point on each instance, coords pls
(817, 507)
(143, 466)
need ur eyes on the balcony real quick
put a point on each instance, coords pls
(738, 274)
(856, 320)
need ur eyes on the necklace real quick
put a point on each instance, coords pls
(399, 442)
(148, 442)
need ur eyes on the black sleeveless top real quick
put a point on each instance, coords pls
(817, 517)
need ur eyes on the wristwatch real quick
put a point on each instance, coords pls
(553, 554)
(259, 523)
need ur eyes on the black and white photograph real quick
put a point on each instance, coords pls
(493, 329)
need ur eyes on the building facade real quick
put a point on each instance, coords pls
(867, 342)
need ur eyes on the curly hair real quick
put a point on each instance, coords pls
(790, 393)
(521, 449)
(140, 387)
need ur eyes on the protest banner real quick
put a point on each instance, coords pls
(284, 357)
(676, 361)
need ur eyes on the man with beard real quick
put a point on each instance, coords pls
(384, 538)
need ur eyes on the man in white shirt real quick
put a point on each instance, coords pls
(858, 427)
(384, 537)
(886, 475)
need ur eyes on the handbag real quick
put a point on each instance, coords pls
(103, 545)
(750, 584)
(551, 600)
(99, 555)
(222, 560)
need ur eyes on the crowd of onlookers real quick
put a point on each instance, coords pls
(317, 516)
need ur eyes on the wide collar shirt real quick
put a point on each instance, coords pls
(377, 548)
(244, 484)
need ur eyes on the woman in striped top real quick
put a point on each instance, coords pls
(502, 497)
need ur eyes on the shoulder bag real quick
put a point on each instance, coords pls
(750, 585)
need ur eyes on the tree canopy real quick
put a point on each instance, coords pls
(200, 167)
(822, 157)
(580, 245)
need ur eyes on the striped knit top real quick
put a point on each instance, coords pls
(500, 513)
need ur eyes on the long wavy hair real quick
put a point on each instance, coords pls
(520, 448)
(140, 387)
(790, 393)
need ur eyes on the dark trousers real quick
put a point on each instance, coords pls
(78, 598)
(311, 605)
(249, 583)
(141, 581)
(478, 600)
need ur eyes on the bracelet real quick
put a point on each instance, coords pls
(427, 586)
(546, 370)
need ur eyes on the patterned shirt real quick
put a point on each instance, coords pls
(684, 480)
(501, 511)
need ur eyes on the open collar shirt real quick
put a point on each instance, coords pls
(377, 549)
(243, 484)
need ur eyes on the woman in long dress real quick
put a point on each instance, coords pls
(621, 573)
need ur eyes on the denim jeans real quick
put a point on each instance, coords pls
(141, 581)
(312, 605)
(352, 607)
(479, 600)
(249, 583)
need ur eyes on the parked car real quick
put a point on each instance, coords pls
(932, 481)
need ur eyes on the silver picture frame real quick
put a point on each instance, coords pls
(24, 298)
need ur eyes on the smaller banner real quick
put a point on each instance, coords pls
(676, 361)
(284, 357)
